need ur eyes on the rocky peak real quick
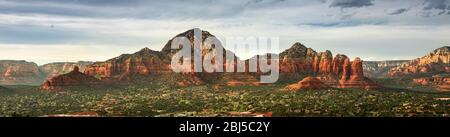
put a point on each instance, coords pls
(338, 63)
(357, 69)
(442, 51)
(147, 52)
(297, 50)
(189, 34)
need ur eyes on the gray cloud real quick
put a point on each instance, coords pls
(351, 3)
(157, 9)
(399, 11)
(437, 5)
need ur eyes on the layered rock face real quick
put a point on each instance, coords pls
(379, 69)
(299, 59)
(436, 62)
(439, 82)
(336, 72)
(296, 60)
(20, 72)
(442, 82)
(422, 81)
(431, 70)
(15, 72)
(73, 78)
(126, 66)
(147, 62)
(54, 69)
(353, 76)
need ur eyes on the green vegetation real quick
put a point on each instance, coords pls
(162, 100)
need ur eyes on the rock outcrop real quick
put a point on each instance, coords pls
(442, 82)
(20, 72)
(58, 68)
(353, 76)
(72, 79)
(439, 82)
(150, 63)
(126, 66)
(379, 69)
(299, 59)
(14, 72)
(434, 63)
(296, 61)
(307, 83)
(422, 81)
(431, 70)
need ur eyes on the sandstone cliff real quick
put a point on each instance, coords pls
(436, 62)
(54, 69)
(72, 79)
(20, 72)
(379, 69)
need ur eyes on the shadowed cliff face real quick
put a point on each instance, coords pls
(73, 78)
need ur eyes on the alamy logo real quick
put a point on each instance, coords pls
(208, 55)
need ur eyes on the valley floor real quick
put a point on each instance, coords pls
(165, 101)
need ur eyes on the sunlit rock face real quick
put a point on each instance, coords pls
(14, 72)
(436, 62)
(54, 69)
(380, 69)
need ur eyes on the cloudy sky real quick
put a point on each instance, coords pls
(95, 30)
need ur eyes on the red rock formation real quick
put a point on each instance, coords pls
(354, 77)
(54, 69)
(439, 82)
(147, 63)
(436, 62)
(299, 59)
(338, 63)
(14, 72)
(442, 82)
(73, 78)
(126, 66)
(326, 59)
(422, 81)
(346, 70)
(307, 83)
(311, 83)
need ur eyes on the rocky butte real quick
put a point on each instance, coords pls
(72, 79)
(296, 63)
